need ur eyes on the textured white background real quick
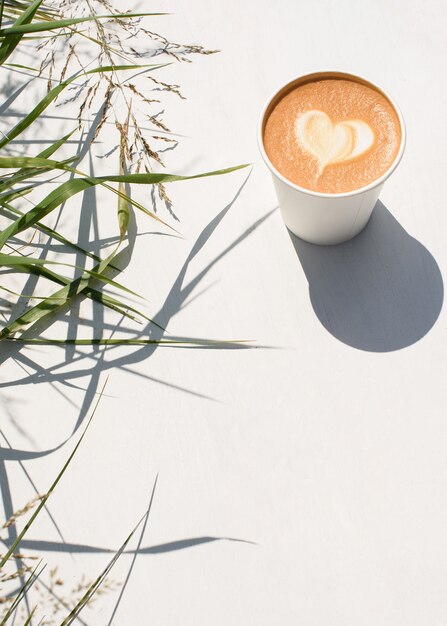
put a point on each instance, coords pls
(326, 452)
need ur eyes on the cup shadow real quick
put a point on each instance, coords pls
(379, 292)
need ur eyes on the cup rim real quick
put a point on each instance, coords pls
(327, 74)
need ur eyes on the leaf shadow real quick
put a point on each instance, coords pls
(176, 298)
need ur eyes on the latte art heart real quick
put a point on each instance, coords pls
(331, 143)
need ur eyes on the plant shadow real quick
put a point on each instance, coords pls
(76, 364)
(382, 291)
(80, 364)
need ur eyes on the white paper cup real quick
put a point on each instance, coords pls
(324, 218)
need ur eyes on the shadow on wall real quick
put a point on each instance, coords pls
(381, 291)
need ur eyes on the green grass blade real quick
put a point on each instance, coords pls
(28, 173)
(98, 296)
(40, 161)
(53, 302)
(100, 579)
(152, 178)
(21, 594)
(123, 202)
(10, 43)
(30, 617)
(45, 154)
(192, 341)
(46, 229)
(24, 262)
(119, 307)
(54, 199)
(137, 205)
(13, 195)
(52, 233)
(42, 503)
(76, 185)
(37, 27)
(21, 67)
(123, 211)
(30, 162)
(16, 6)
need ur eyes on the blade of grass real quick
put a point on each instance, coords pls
(45, 10)
(36, 27)
(123, 211)
(21, 594)
(13, 195)
(53, 302)
(98, 296)
(100, 579)
(45, 154)
(30, 617)
(123, 202)
(31, 162)
(31, 173)
(133, 342)
(53, 36)
(27, 526)
(61, 297)
(21, 67)
(76, 185)
(23, 262)
(49, 231)
(25, 175)
(10, 43)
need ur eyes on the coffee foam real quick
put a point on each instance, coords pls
(332, 143)
(332, 135)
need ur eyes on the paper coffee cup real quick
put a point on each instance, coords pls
(324, 218)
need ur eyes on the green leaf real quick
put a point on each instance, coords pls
(42, 227)
(13, 195)
(21, 67)
(30, 616)
(123, 201)
(27, 173)
(56, 300)
(30, 162)
(36, 27)
(192, 341)
(98, 296)
(23, 262)
(105, 299)
(76, 185)
(10, 43)
(123, 211)
(100, 579)
(78, 285)
(21, 594)
(45, 154)
(54, 199)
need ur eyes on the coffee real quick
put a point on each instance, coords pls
(332, 135)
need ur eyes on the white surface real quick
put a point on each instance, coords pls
(326, 451)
